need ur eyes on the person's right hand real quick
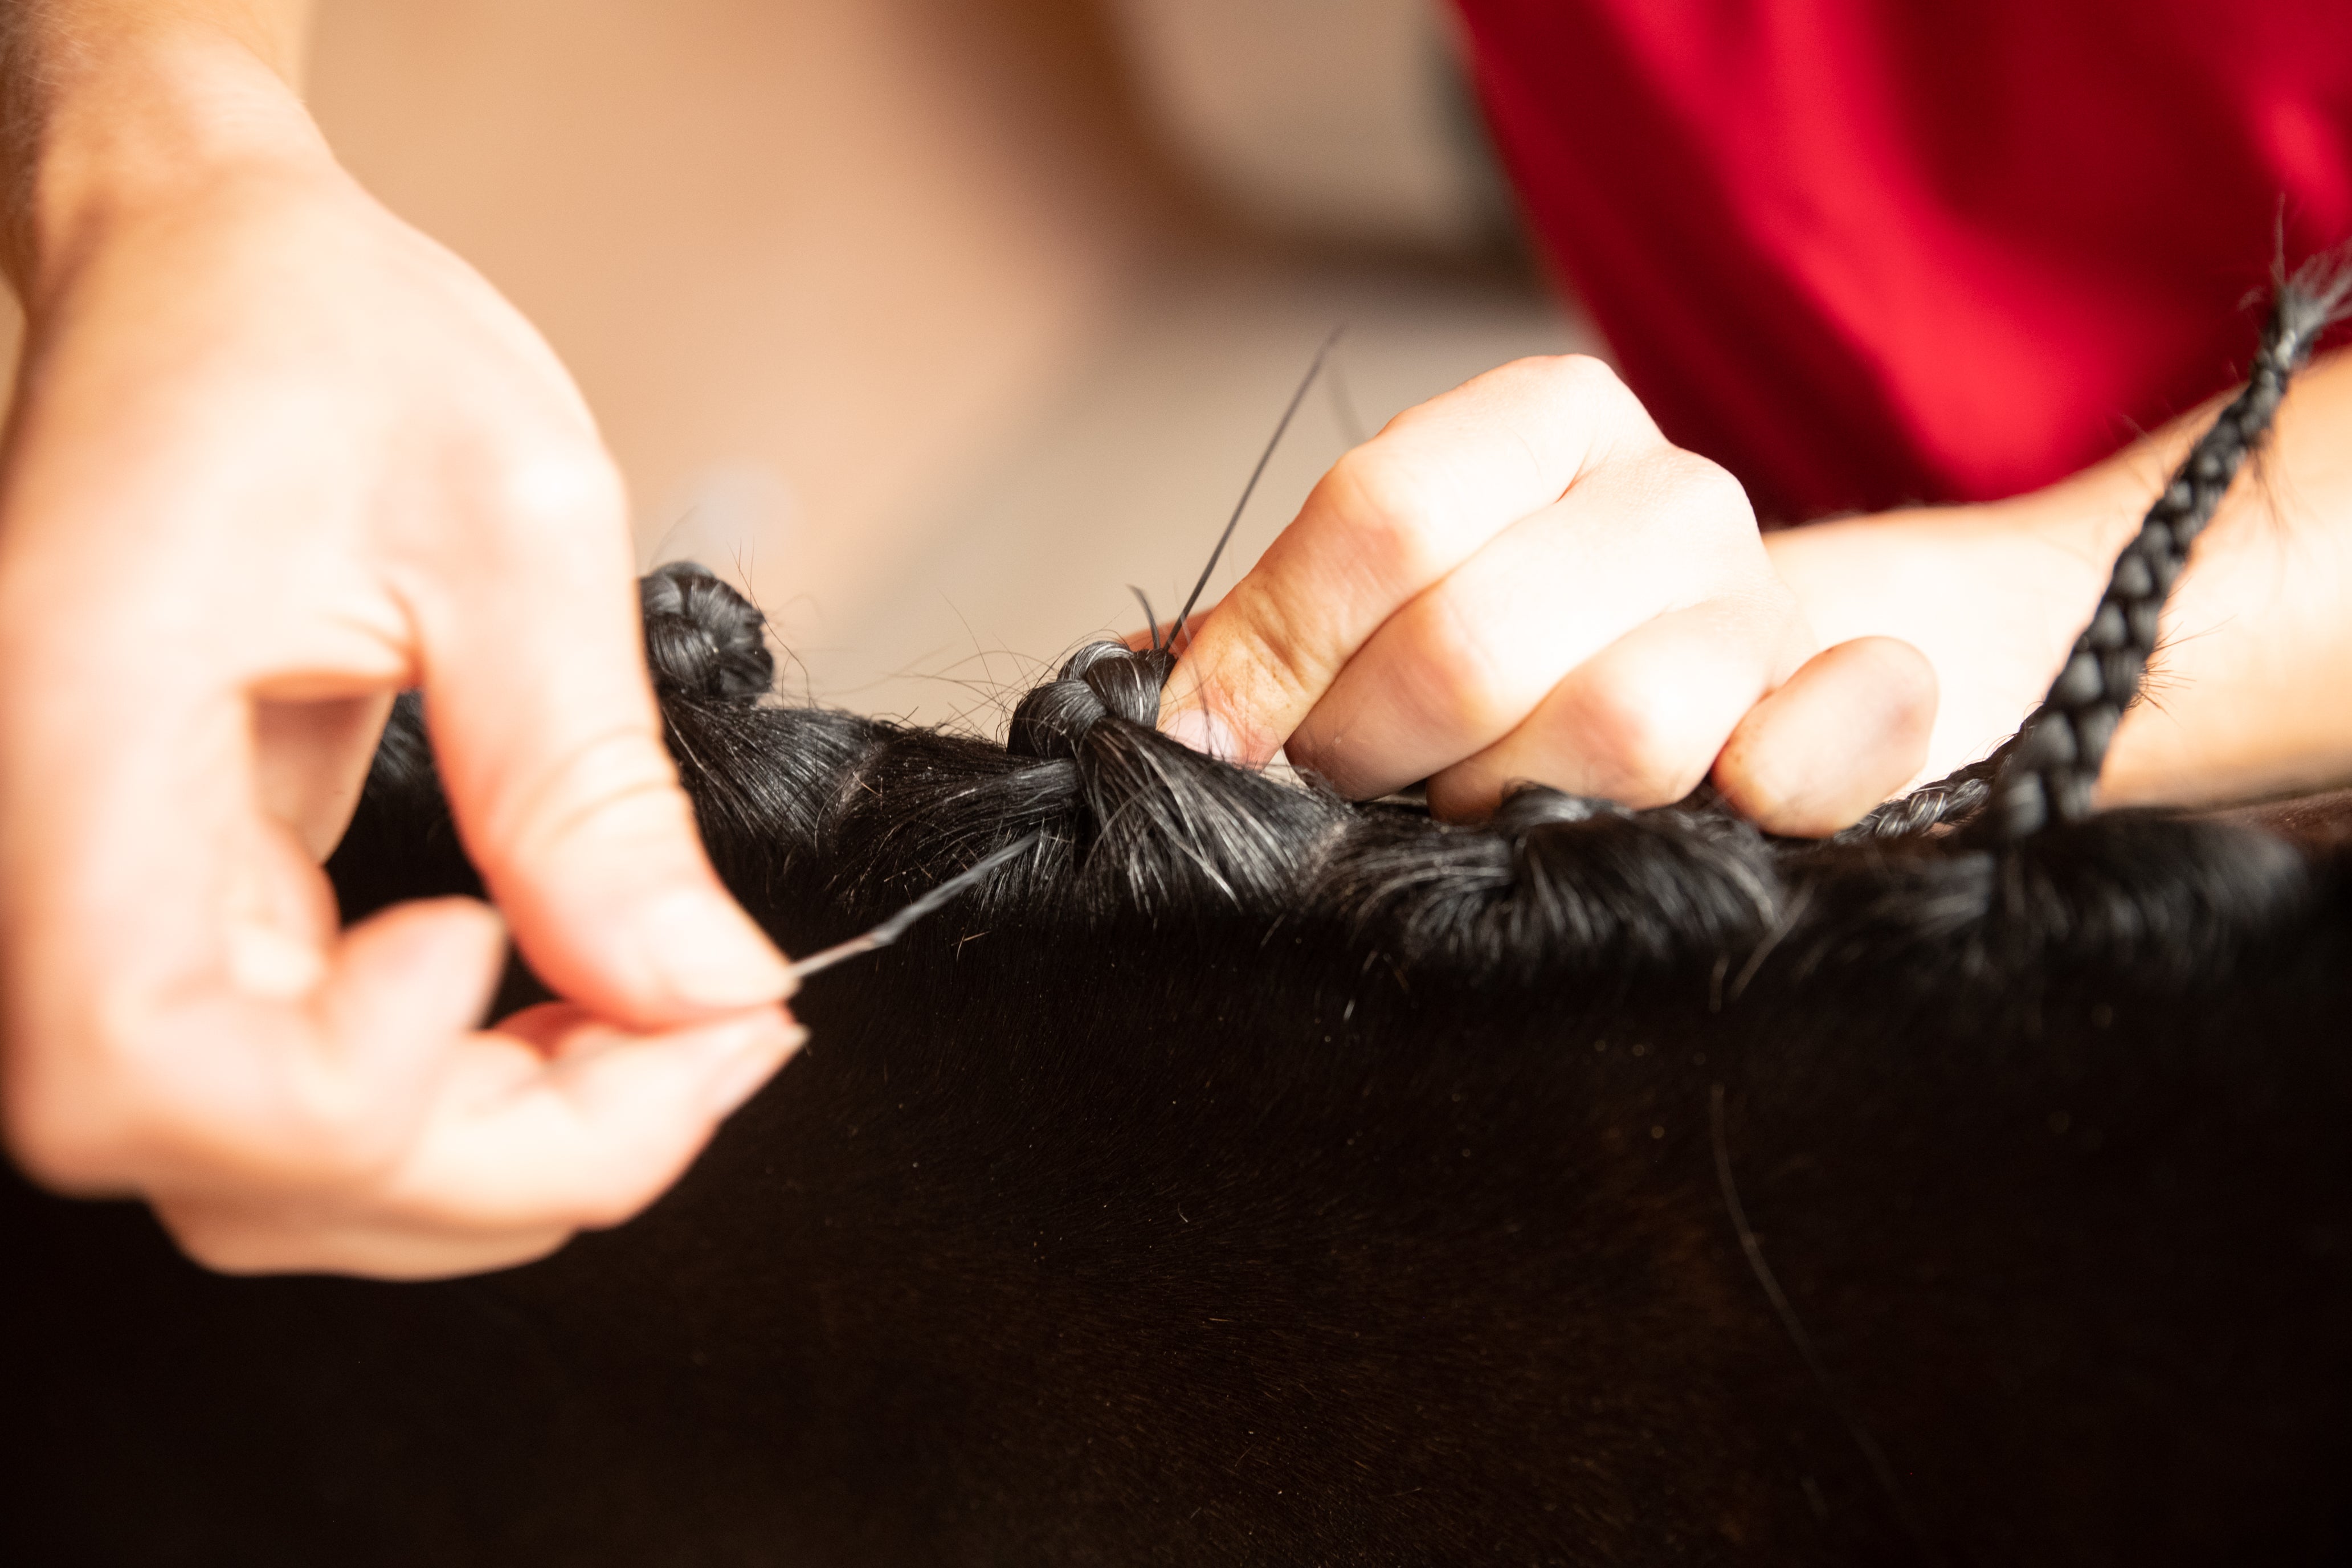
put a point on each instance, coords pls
(276, 456)
(1523, 581)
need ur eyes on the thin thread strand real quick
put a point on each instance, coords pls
(1176, 629)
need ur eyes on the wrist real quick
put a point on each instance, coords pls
(130, 129)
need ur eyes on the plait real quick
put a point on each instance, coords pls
(704, 640)
(1100, 679)
(2049, 771)
(2051, 775)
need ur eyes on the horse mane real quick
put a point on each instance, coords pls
(1238, 1173)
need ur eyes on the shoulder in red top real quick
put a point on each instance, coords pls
(1865, 254)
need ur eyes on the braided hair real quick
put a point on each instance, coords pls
(1239, 1175)
(2048, 772)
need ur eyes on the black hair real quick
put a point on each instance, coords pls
(2050, 769)
(1241, 1174)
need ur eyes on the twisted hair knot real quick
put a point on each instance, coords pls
(703, 640)
(1100, 679)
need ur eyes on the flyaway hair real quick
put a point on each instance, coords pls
(1238, 1174)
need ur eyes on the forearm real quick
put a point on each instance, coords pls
(110, 107)
(2245, 694)
(2254, 643)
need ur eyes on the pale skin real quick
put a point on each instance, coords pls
(277, 456)
(1521, 581)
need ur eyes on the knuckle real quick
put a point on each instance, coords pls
(1572, 392)
(1391, 504)
(1454, 679)
(1539, 392)
(1631, 733)
(1278, 658)
(1703, 490)
(614, 785)
(1571, 382)
(1579, 377)
(551, 488)
(1270, 651)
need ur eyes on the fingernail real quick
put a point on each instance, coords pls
(745, 1065)
(710, 955)
(1202, 731)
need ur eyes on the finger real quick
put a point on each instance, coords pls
(589, 1137)
(544, 724)
(1465, 662)
(294, 1064)
(1845, 732)
(551, 1125)
(1640, 722)
(408, 985)
(1167, 632)
(323, 1089)
(311, 762)
(246, 1239)
(1392, 518)
(184, 1010)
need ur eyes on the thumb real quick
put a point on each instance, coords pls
(1844, 733)
(550, 745)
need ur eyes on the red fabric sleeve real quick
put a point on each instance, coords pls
(1866, 252)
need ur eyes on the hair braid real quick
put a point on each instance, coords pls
(1956, 797)
(2049, 771)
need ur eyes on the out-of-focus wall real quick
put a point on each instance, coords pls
(807, 257)
(1350, 121)
(937, 323)
(1341, 138)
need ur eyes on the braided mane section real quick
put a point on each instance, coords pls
(2049, 772)
(1958, 796)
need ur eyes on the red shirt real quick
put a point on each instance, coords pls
(1866, 252)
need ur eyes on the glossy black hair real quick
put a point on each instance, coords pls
(1239, 1175)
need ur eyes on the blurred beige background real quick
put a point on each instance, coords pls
(936, 324)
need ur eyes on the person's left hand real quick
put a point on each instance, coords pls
(1523, 581)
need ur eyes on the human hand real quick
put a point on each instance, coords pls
(1991, 602)
(276, 456)
(1522, 579)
